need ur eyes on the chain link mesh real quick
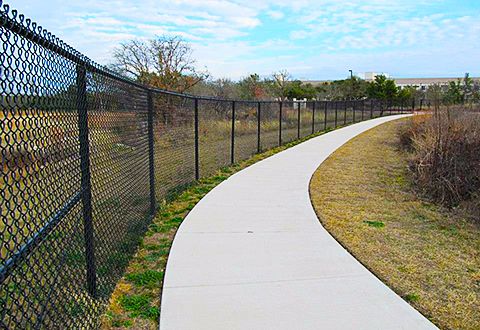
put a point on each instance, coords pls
(173, 126)
(269, 125)
(246, 119)
(215, 129)
(289, 121)
(306, 109)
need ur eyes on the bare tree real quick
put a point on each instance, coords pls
(164, 62)
(224, 88)
(133, 58)
(280, 82)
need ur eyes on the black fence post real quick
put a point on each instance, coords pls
(313, 116)
(86, 187)
(413, 105)
(353, 110)
(280, 124)
(336, 114)
(197, 155)
(298, 120)
(232, 145)
(259, 112)
(371, 108)
(151, 160)
(363, 109)
(345, 113)
(325, 117)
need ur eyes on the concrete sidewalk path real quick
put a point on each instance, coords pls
(253, 255)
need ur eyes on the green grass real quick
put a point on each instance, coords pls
(412, 297)
(376, 224)
(148, 278)
(364, 196)
(139, 306)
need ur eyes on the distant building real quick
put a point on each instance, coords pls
(419, 83)
(424, 83)
(370, 76)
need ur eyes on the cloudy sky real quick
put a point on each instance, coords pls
(312, 39)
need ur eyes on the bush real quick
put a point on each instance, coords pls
(409, 130)
(445, 150)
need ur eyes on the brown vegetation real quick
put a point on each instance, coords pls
(445, 154)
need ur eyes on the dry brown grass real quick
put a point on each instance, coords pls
(428, 255)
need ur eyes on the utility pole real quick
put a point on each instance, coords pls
(351, 82)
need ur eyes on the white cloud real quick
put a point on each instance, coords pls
(275, 14)
(316, 38)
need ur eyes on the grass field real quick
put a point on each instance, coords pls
(429, 255)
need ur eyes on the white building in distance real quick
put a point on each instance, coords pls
(419, 83)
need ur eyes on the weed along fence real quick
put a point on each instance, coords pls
(87, 157)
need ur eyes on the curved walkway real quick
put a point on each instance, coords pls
(253, 255)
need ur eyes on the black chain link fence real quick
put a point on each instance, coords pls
(88, 155)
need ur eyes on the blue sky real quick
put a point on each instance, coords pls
(311, 39)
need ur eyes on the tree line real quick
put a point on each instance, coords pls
(166, 62)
